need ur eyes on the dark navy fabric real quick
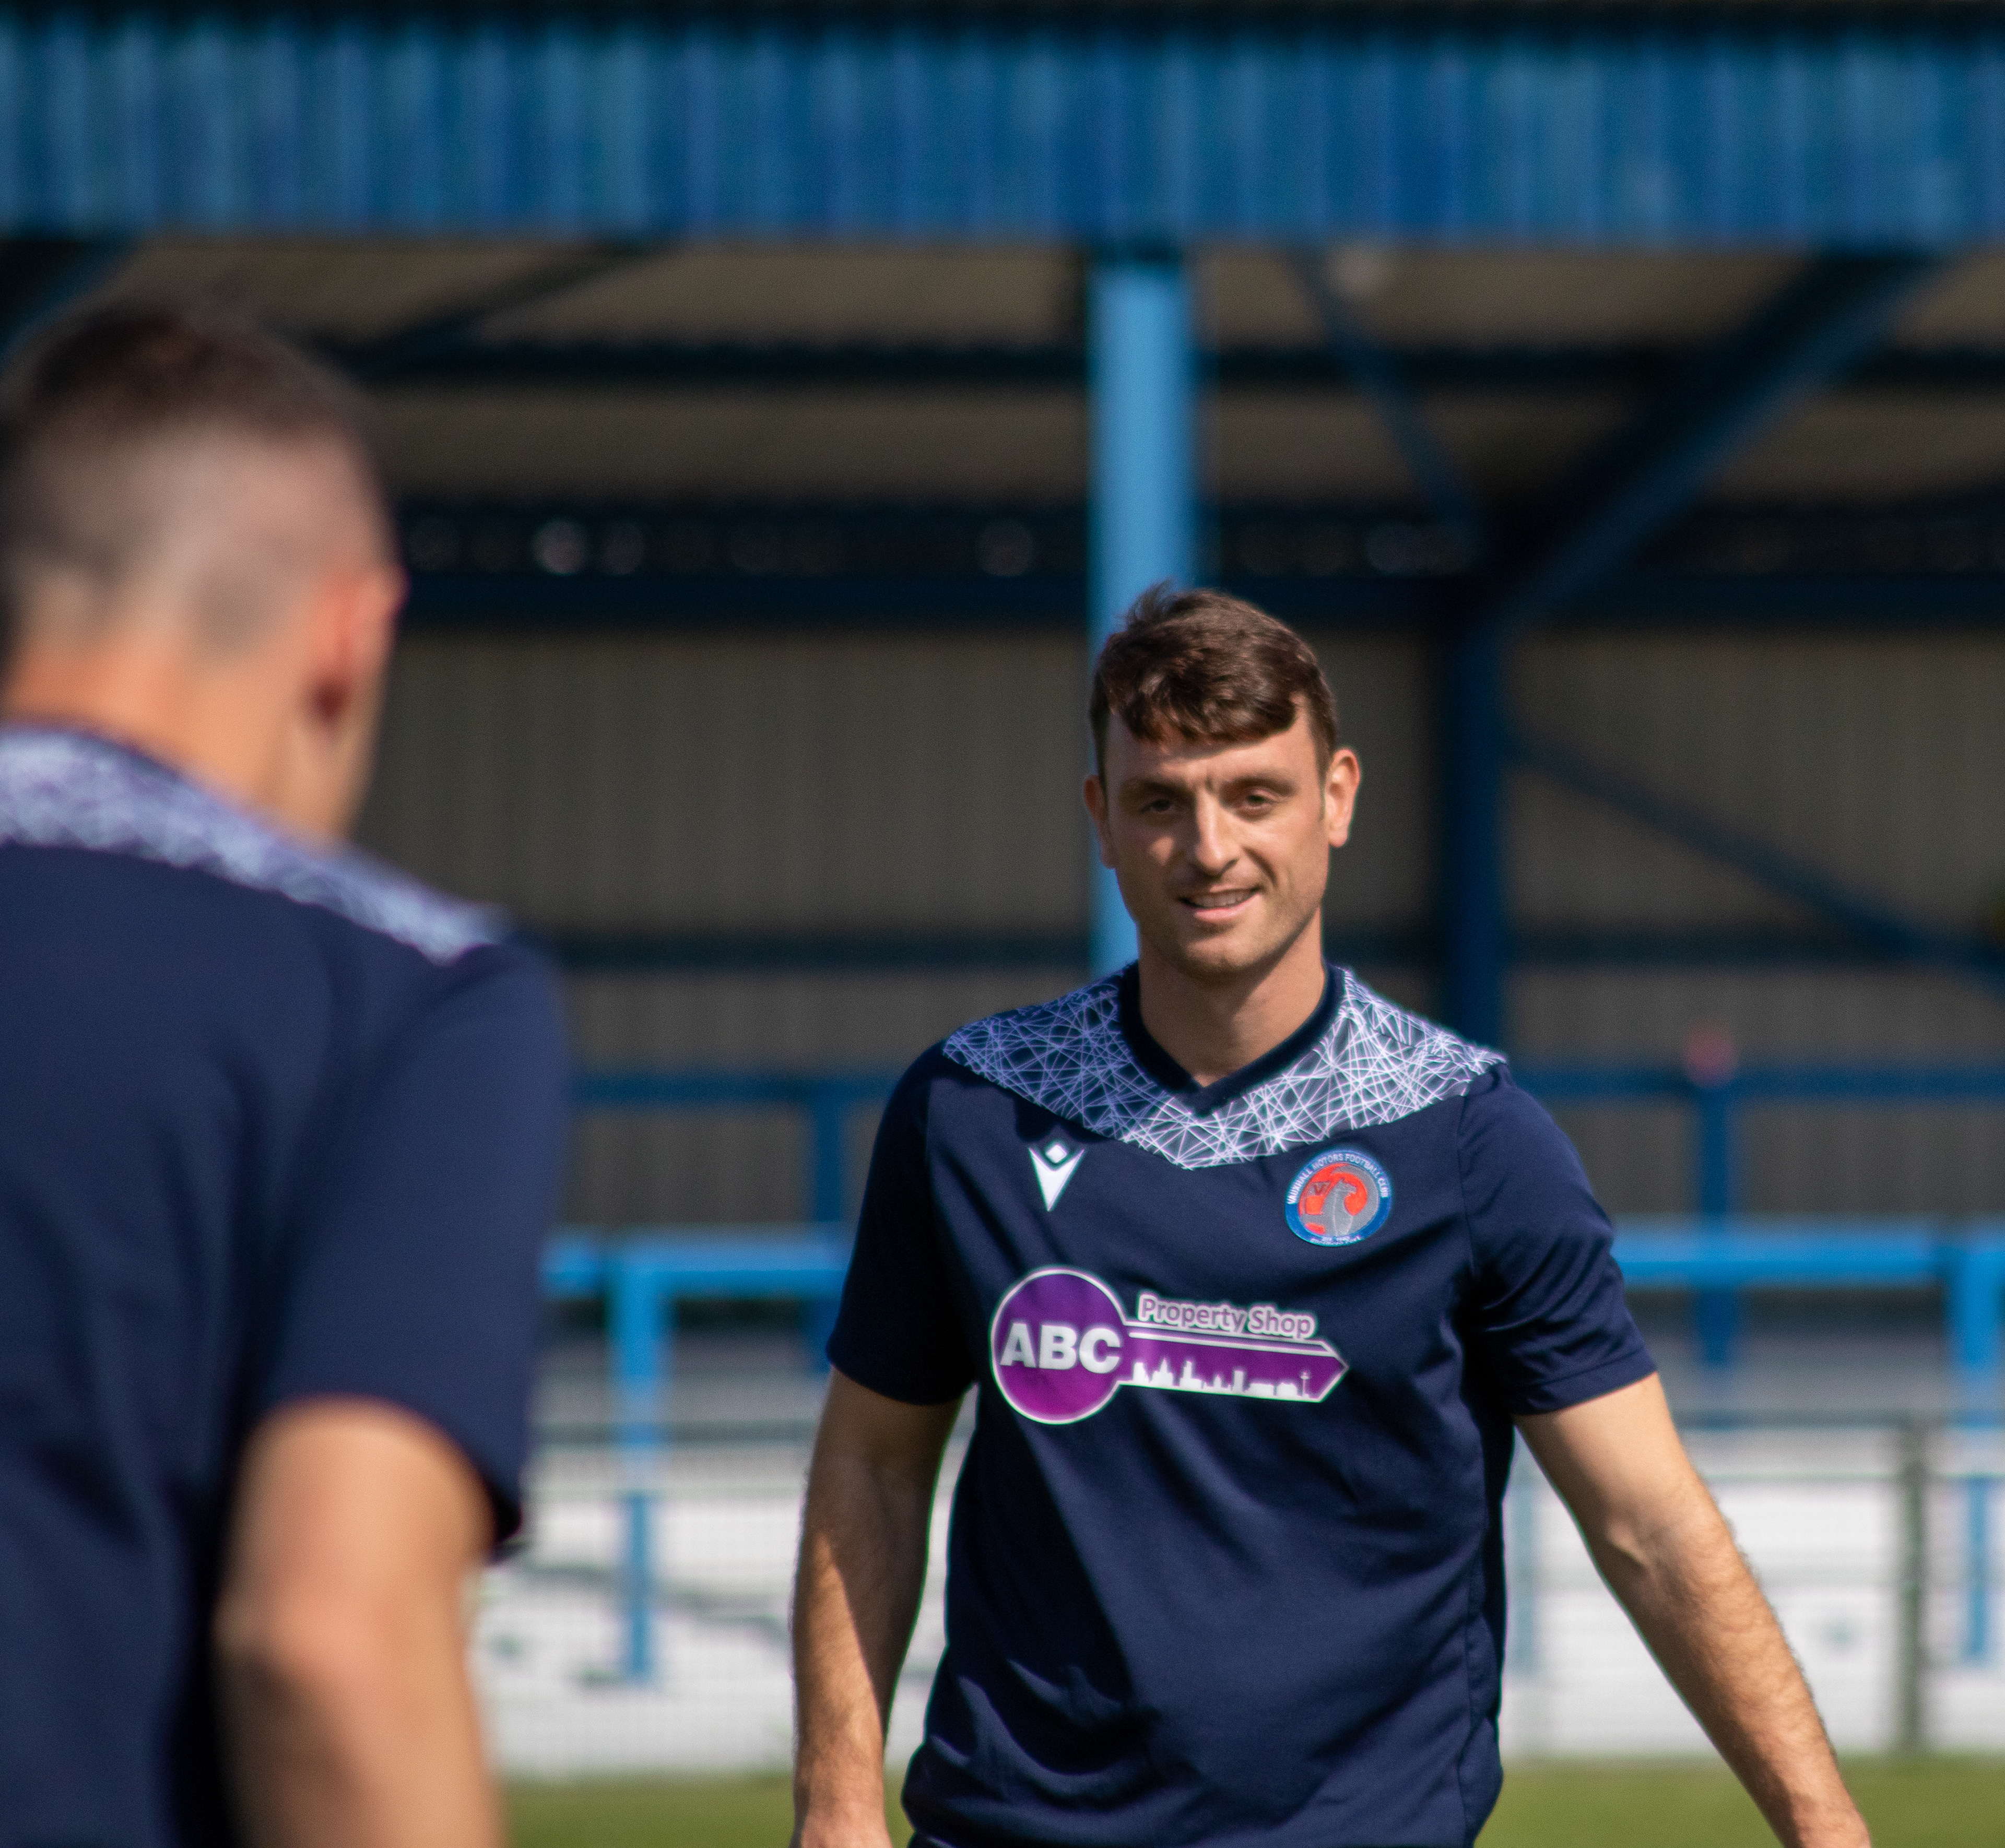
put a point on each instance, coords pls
(1196, 1616)
(273, 1126)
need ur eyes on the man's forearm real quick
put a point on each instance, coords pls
(1696, 1606)
(862, 1568)
(358, 1730)
(341, 1635)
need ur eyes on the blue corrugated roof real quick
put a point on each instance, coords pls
(1764, 134)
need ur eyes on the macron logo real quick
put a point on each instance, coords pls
(1054, 1157)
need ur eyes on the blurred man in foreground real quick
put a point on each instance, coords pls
(279, 1131)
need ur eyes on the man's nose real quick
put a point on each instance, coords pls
(1213, 849)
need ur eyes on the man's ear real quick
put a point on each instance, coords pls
(351, 624)
(1095, 792)
(1340, 795)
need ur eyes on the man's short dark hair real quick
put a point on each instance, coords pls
(95, 396)
(1199, 665)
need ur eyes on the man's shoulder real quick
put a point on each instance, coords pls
(63, 789)
(1372, 1064)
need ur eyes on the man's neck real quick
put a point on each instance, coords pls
(1213, 1029)
(148, 698)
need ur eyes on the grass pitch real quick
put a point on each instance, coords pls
(1929, 1802)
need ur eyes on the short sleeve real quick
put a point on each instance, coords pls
(898, 1332)
(410, 1274)
(1548, 1322)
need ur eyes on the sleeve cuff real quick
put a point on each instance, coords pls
(1591, 1382)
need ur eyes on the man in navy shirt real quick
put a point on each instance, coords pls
(278, 1132)
(1254, 1274)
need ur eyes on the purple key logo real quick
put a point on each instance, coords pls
(1060, 1348)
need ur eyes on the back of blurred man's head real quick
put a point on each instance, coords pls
(195, 552)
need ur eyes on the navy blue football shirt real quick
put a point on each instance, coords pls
(274, 1125)
(1225, 1565)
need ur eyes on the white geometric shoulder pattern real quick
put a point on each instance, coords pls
(1376, 1063)
(66, 789)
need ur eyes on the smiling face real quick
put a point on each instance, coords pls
(1222, 849)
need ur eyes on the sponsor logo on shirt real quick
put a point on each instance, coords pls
(1340, 1196)
(1061, 1346)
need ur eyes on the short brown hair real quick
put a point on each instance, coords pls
(1201, 665)
(94, 392)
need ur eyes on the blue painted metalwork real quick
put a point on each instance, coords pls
(1828, 315)
(1860, 133)
(1475, 926)
(1142, 385)
(643, 1274)
(642, 1277)
(829, 1099)
(1903, 937)
(1376, 373)
(1822, 320)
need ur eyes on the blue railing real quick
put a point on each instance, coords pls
(1718, 1107)
(642, 1275)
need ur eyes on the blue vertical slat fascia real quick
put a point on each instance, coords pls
(1511, 116)
(619, 154)
(1251, 191)
(13, 119)
(1939, 104)
(131, 129)
(773, 160)
(1865, 95)
(701, 65)
(1456, 166)
(1986, 143)
(413, 105)
(1306, 135)
(916, 199)
(59, 104)
(485, 113)
(975, 112)
(273, 68)
(1649, 205)
(1720, 150)
(351, 144)
(1105, 211)
(844, 119)
(1382, 190)
(555, 146)
(1192, 141)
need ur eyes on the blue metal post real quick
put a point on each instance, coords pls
(639, 1374)
(1976, 1280)
(1472, 747)
(1142, 381)
(1716, 1311)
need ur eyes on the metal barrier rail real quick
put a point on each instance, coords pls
(1718, 1105)
(642, 1274)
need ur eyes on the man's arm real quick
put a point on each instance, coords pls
(1658, 1539)
(340, 1634)
(863, 1567)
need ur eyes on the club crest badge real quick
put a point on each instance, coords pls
(1340, 1196)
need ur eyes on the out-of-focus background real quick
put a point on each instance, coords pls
(779, 401)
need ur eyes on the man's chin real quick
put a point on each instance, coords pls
(1217, 955)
